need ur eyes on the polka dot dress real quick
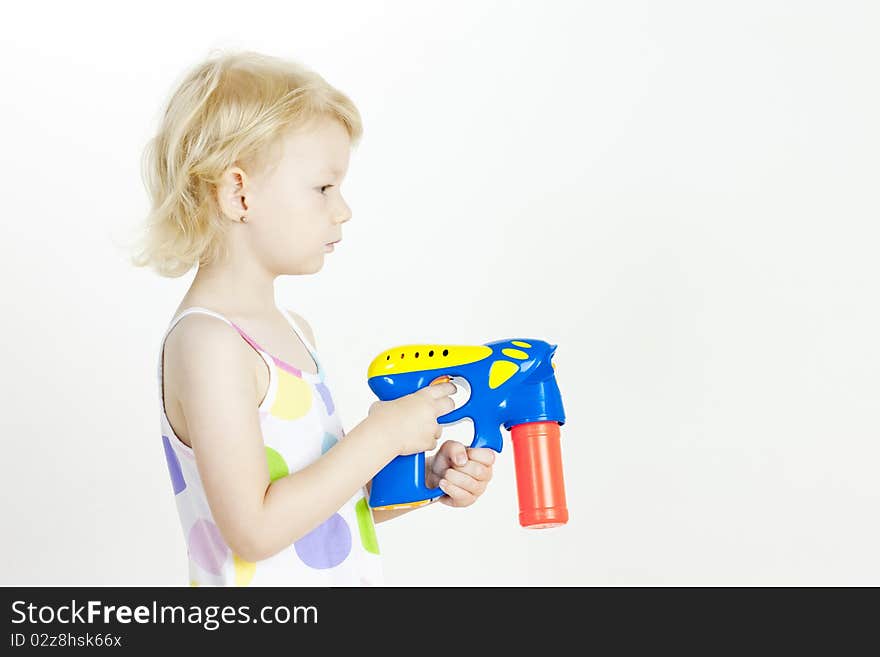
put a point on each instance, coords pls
(299, 423)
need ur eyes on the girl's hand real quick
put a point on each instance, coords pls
(461, 472)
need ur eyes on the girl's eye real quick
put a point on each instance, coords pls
(325, 187)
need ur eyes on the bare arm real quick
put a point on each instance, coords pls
(217, 393)
(379, 515)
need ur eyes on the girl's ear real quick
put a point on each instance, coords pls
(232, 194)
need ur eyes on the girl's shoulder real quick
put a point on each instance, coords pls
(201, 334)
(207, 359)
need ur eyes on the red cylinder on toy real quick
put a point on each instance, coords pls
(539, 483)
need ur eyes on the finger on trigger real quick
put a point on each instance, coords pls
(443, 385)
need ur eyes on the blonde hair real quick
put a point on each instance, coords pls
(229, 110)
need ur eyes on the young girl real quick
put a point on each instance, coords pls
(245, 174)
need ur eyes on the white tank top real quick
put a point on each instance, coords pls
(299, 422)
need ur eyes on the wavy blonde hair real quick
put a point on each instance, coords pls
(229, 110)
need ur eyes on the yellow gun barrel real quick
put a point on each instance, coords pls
(421, 357)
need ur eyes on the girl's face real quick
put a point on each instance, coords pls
(296, 208)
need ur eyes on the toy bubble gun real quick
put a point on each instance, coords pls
(512, 382)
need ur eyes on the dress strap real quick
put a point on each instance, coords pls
(190, 311)
(300, 333)
(205, 311)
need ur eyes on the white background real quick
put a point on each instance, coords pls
(681, 195)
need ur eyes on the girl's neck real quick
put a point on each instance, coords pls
(244, 291)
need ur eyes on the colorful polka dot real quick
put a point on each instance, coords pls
(328, 442)
(293, 398)
(244, 570)
(325, 395)
(277, 466)
(206, 546)
(327, 545)
(177, 481)
(366, 527)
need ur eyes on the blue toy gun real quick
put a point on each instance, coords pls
(513, 383)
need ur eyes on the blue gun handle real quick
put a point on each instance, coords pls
(402, 481)
(487, 435)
